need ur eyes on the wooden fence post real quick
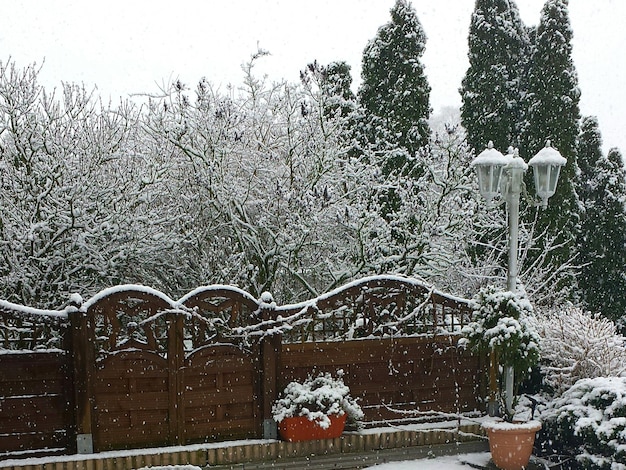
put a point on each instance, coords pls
(82, 364)
(271, 346)
(175, 357)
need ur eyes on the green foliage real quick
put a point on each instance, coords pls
(588, 423)
(492, 88)
(552, 102)
(589, 151)
(602, 242)
(395, 91)
(500, 325)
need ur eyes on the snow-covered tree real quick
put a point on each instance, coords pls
(577, 345)
(553, 114)
(493, 86)
(589, 152)
(603, 239)
(394, 90)
(75, 202)
(334, 82)
(277, 203)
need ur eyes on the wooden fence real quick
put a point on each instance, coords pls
(132, 368)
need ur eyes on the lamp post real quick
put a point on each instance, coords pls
(504, 174)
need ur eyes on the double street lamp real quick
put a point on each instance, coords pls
(504, 174)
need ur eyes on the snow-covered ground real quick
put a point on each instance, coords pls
(447, 462)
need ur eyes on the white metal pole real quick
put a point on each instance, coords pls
(513, 207)
(514, 189)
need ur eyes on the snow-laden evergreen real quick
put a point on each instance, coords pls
(587, 424)
(603, 240)
(552, 103)
(493, 87)
(602, 237)
(589, 151)
(395, 91)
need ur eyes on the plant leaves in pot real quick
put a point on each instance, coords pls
(500, 330)
(316, 408)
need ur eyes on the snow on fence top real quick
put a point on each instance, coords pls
(131, 316)
(31, 329)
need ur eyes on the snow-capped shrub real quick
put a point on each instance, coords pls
(588, 423)
(501, 331)
(577, 345)
(317, 398)
(500, 324)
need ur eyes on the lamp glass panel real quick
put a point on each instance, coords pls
(489, 180)
(554, 178)
(546, 178)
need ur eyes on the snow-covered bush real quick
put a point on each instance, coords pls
(501, 331)
(317, 398)
(500, 325)
(577, 345)
(588, 423)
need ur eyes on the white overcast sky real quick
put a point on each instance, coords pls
(132, 46)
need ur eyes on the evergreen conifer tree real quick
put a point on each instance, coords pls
(334, 81)
(553, 114)
(589, 152)
(394, 92)
(492, 88)
(603, 239)
(336, 84)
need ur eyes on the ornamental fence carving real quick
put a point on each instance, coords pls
(130, 367)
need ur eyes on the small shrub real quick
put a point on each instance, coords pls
(578, 345)
(317, 398)
(501, 331)
(501, 325)
(588, 423)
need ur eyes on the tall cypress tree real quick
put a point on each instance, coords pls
(553, 114)
(334, 82)
(394, 90)
(603, 240)
(589, 152)
(492, 88)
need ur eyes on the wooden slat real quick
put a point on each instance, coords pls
(223, 397)
(224, 428)
(35, 412)
(36, 399)
(29, 441)
(120, 419)
(138, 401)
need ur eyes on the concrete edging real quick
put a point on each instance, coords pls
(239, 453)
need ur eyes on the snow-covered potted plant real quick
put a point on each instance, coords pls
(317, 408)
(501, 331)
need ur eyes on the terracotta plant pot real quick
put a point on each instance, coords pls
(299, 428)
(511, 444)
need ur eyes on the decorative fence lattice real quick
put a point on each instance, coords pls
(135, 368)
(375, 307)
(28, 329)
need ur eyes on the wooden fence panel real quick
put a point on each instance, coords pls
(139, 369)
(220, 376)
(131, 401)
(391, 375)
(36, 403)
(220, 396)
